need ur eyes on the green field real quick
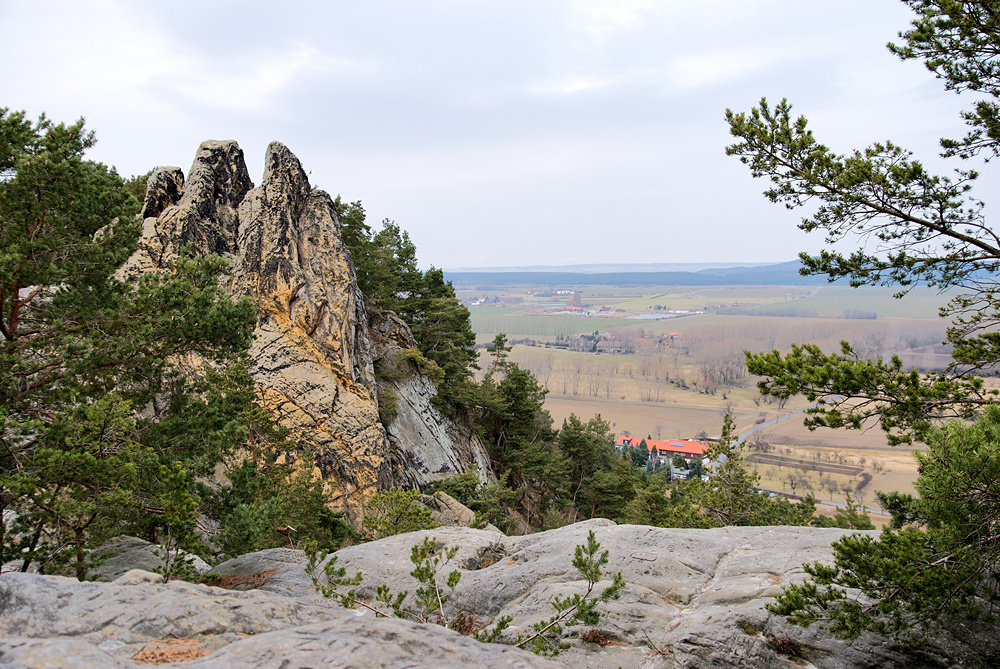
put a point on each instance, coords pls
(516, 324)
(812, 302)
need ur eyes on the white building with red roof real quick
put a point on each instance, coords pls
(666, 449)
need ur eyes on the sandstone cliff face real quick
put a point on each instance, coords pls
(426, 446)
(313, 358)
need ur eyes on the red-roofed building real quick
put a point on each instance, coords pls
(667, 449)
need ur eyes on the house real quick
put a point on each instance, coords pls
(615, 345)
(666, 450)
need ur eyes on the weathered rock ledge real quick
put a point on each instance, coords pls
(695, 598)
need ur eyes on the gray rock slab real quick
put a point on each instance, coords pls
(690, 594)
(446, 510)
(359, 644)
(59, 622)
(124, 553)
(287, 571)
(369, 644)
(54, 606)
(29, 653)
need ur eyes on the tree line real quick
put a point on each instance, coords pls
(548, 477)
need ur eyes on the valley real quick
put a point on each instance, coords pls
(666, 361)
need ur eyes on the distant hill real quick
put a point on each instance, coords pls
(609, 268)
(697, 274)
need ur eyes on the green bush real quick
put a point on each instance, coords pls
(395, 511)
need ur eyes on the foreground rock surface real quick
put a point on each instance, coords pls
(314, 352)
(345, 642)
(695, 598)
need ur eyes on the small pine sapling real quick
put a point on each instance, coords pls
(428, 562)
(577, 609)
(335, 580)
(179, 512)
(395, 511)
(431, 596)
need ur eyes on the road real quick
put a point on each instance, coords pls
(746, 433)
(823, 501)
(740, 438)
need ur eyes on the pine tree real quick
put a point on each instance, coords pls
(587, 449)
(443, 330)
(938, 564)
(385, 264)
(82, 353)
(937, 567)
(915, 228)
(731, 496)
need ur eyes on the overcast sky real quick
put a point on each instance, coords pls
(503, 133)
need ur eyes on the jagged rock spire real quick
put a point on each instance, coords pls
(313, 354)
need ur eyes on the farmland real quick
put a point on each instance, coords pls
(667, 361)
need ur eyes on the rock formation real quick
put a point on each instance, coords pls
(448, 511)
(694, 598)
(313, 356)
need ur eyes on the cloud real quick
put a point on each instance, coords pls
(252, 85)
(716, 67)
(601, 21)
(575, 83)
(137, 63)
(669, 44)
